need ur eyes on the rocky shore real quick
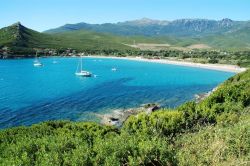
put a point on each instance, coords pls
(117, 117)
(202, 96)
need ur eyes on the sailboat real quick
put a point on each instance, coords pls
(54, 61)
(80, 72)
(37, 63)
(114, 69)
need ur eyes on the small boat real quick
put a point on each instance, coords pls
(37, 63)
(54, 61)
(80, 72)
(83, 73)
(114, 69)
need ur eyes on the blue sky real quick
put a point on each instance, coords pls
(45, 14)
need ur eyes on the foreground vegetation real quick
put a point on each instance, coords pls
(213, 132)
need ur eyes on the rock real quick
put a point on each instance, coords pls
(155, 108)
(117, 117)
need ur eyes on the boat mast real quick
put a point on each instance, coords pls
(81, 60)
(81, 63)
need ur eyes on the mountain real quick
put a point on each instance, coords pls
(18, 35)
(144, 22)
(149, 27)
(22, 39)
(222, 34)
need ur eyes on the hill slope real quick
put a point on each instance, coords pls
(224, 33)
(149, 27)
(22, 40)
(19, 37)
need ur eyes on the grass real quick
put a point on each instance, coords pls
(225, 144)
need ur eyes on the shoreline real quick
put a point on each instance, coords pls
(217, 67)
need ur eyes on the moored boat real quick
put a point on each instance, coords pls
(37, 63)
(81, 72)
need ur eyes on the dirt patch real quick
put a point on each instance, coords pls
(157, 47)
(199, 46)
(149, 46)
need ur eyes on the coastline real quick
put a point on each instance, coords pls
(217, 67)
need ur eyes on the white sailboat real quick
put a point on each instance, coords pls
(80, 71)
(37, 63)
(114, 69)
(54, 61)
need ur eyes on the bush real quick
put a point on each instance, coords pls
(165, 123)
(219, 145)
(213, 61)
(134, 149)
(227, 118)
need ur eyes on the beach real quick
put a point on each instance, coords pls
(218, 67)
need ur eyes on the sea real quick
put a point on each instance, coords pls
(30, 95)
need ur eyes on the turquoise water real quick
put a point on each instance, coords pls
(31, 94)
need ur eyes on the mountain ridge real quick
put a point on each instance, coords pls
(151, 27)
(24, 40)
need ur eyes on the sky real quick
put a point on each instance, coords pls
(41, 15)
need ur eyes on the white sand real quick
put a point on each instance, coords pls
(218, 67)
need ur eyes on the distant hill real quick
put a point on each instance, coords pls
(19, 37)
(234, 39)
(149, 27)
(179, 34)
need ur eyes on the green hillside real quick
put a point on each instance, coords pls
(24, 41)
(236, 39)
(20, 38)
(17, 35)
(157, 28)
(83, 39)
(212, 132)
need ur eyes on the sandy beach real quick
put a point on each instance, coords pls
(218, 67)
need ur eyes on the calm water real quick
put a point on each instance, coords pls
(31, 94)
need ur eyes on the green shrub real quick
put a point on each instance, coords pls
(227, 118)
(219, 145)
(190, 114)
(213, 61)
(165, 122)
(137, 149)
